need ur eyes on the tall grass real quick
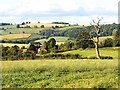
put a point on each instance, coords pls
(60, 73)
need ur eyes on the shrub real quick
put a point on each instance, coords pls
(102, 57)
(62, 56)
(108, 42)
(29, 55)
(106, 57)
(92, 57)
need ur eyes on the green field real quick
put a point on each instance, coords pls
(14, 30)
(13, 44)
(60, 74)
(59, 40)
(14, 36)
(90, 52)
(53, 73)
(46, 24)
(20, 30)
(68, 73)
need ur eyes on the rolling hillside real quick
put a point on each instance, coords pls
(45, 25)
(59, 40)
(14, 36)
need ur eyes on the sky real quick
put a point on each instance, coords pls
(71, 11)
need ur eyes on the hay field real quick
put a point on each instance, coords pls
(14, 36)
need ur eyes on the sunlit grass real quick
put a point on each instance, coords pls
(60, 73)
(90, 52)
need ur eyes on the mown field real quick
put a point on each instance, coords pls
(46, 24)
(14, 36)
(59, 40)
(90, 52)
(68, 73)
(13, 44)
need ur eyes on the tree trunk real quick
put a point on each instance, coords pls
(97, 51)
(97, 48)
(97, 27)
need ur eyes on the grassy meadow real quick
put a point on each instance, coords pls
(14, 36)
(45, 24)
(20, 30)
(12, 28)
(90, 52)
(59, 40)
(60, 73)
(13, 44)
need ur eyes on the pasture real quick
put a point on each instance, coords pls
(13, 44)
(20, 30)
(14, 36)
(103, 38)
(59, 40)
(60, 74)
(46, 24)
(12, 28)
(90, 52)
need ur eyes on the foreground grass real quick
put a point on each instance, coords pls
(60, 74)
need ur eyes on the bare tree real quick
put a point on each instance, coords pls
(97, 27)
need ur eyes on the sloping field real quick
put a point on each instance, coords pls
(103, 38)
(14, 36)
(90, 52)
(21, 30)
(59, 40)
(45, 24)
(70, 27)
(12, 44)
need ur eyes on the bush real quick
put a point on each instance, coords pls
(117, 42)
(102, 57)
(106, 57)
(108, 42)
(29, 55)
(62, 56)
(92, 57)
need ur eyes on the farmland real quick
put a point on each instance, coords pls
(45, 24)
(14, 36)
(12, 28)
(13, 44)
(56, 73)
(60, 74)
(59, 40)
(20, 30)
(90, 52)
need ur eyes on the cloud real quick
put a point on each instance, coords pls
(55, 8)
(27, 9)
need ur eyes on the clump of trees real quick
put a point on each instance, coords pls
(15, 53)
(50, 46)
(12, 53)
(83, 41)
